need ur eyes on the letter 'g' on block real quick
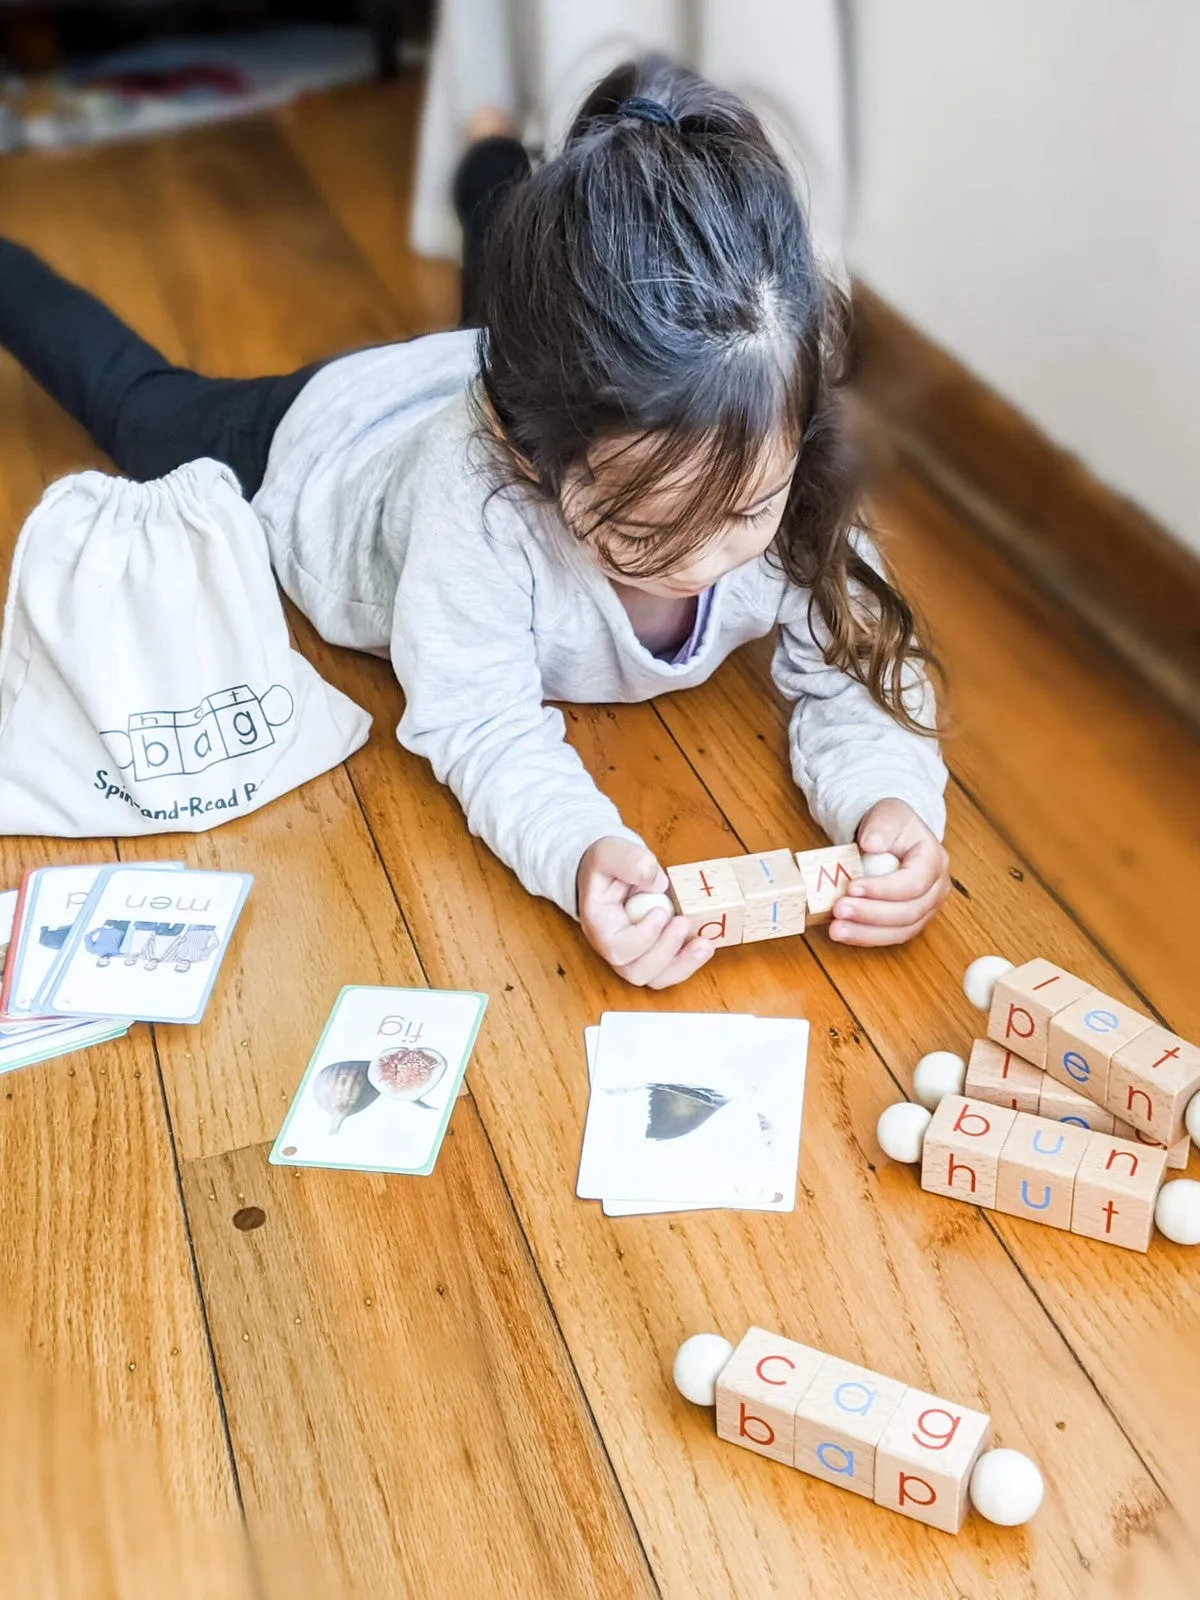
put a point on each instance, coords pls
(840, 1420)
(708, 895)
(961, 1155)
(1024, 1000)
(758, 1391)
(923, 1461)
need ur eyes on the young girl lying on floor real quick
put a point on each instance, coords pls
(636, 467)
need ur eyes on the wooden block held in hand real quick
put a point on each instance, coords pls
(1061, 1104)
(707, 893)
(1083, 1039)
(1037, 1170)
(1115, 1189)
(1151, 1080)
(774, 893)
(1002, 1078)
(1023, 1002)
(758, 1391)
(1177, 1153)
(840, 1420)
(961, 1156)
(827, 875)
(923, 1461)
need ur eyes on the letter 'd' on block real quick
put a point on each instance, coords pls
(758, 1391)
(1023, 1002)
(923, 1461)
(963, 1142)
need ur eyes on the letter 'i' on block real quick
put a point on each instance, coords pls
(1151, 1081)
(1002, 1078)
(1037, 1170)
(1023, 1002)
(1177, 1153)
(1085, 1036)
(839, 1421)
(774, 892)
(707, 893)
(961, 1155)
(758, 1390)
(923, 1461)
(827, 875)
(1115, 1189)
(1061, 1104)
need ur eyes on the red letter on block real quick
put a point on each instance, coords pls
(745, 1418)
(925, 1434)
(1010, 1027)
(954, 1166)
(787, 1361)
(906, 1494)
(964, 1116)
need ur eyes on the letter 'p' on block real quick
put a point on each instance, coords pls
(923, 1461)
(708, 895)
(1023, 1002)
(961, 1154)
(759, 1389)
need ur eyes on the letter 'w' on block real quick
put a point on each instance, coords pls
(961, 1155)
(840, 1420)
(1002, 1078)
(707, 894)
(758, 1390)
(1023, 1002)
(775, 895)
(827, 875)
(1037, 1170)
(923, 1461)
(1085, 1036)
(1115, 1189)
(1151, 1081)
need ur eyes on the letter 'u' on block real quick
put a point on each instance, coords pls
(840, 1420)
(923, 1461)
(827, 875)
(1024, 1000)
(1085, 1036)
(1152, 1079)
(708, 895)
(1037, 1170)
(758, 1391)
(1115, 1189)
(961, 1154)
(1002, 1078)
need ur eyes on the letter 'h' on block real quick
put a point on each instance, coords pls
(707, 893)
(758, 1390)
(961, 1155)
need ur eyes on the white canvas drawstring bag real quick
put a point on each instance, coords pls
(147, 680)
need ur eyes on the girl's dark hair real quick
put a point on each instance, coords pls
(655, 282)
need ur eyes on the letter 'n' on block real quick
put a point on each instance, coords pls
(1115, 1189)
(774, 892)
(840, 1420)
(758, 1391)
(1151, 1081)
(827, 875)
(961, 1155)
(1023, 1002)
(1002, 1077)
(1037, 1170)
(923, 1461)
(707, 893)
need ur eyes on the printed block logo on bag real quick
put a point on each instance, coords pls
(232, 722)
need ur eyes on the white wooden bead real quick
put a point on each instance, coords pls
(698, 1364)
(1006, 1487)
(640, 904)
(901, 1131)
(880, 864)
(980, 979)
(1192, 1118)
(936, 1075)
(1177, 1211)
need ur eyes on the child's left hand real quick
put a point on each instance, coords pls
(896, 907)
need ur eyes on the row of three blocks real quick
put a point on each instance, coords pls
(743, 899)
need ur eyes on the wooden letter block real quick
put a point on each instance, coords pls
(1061, 1104)
(840, 1420)
(827, 875)
(1151, 1081)
(758, 1390)
(1023, 1002)
(962, 1149)
(1084, 1038)
(707, 893)
(1177, 1153)
(1002, 1078)
(1037, 1170)
(774, 893)
(1115, 1189)
(923, 1461)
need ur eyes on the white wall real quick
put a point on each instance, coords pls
(1029, 195)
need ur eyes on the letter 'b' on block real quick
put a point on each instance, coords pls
(961, 1155)
(1023, 1002)
(758, 1391)
(923, 1461)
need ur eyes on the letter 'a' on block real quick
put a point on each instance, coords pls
(961, 1154)
(1061, 1104)
(827, 875)
(840, 1420)
(1083, 1039)
(1151, 1081)
(774, 893)
(708, 895)
(1023, 1002)
(924, 1460)
(1115, 1189)
(1037, 1170)
(1002, 1077)
(758, 1391)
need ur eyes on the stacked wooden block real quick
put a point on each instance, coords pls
(742, 899)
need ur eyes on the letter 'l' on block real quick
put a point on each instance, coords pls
(1115, 1189)
(1151, 1081)
(1023, 1002)
(923, 1461)
(708, 895)
(1037, 1170)
(827, 875)
(774, 892)
(1002, 1078)
(758, 1391)
(961, 1154)
(840, 1420)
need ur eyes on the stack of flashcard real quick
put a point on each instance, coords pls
(693, 1112)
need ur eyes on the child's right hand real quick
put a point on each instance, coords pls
(654, 953)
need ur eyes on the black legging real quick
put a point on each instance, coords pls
(150, 416)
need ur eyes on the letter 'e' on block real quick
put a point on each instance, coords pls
(1024, 1000)
(923, 1461)
(840, 1420)
(827, 875)
(1061, 1104)
(1002, 1078)
(707, 894)
(758, 1391)
(1115, 1189)
(961, 1154)
(1084, 1038)
(1037, 1170)
(1151, 1081)
(774, 892)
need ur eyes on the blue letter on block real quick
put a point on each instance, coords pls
(1076, 1066)
(1041, 1205)
(1037, 1144)
(1101, 1021)
(845, 1468)
(863, 1406)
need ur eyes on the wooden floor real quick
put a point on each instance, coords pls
(458, 1386)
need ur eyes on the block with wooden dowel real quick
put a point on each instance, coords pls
(1002, 1077)
(962, 1145)
(774, 892)
(1151, 1080)
(1083, 1039)
(924, 1460)
(827, 875)
(1116, 1186)
(1023, 1002)
(707, 893)
(840, 1419)
(758, 1391)
(1038, 1164)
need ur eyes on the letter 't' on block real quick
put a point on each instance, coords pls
(1061, 1104)
(923, 1461)
(827, 875)
(1002, 1078)
(840, 1420)
(1037, 1170)
(774, 893)
(1115, 1189)
(708, 895)
(961, 1154)
(1024, 1000)
(1083, 1039)
(1151, 1081)
(758, 1391)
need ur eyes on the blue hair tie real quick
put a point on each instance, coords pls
(647, 110)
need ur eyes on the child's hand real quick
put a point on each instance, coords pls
(896, 907)
(656, 952)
